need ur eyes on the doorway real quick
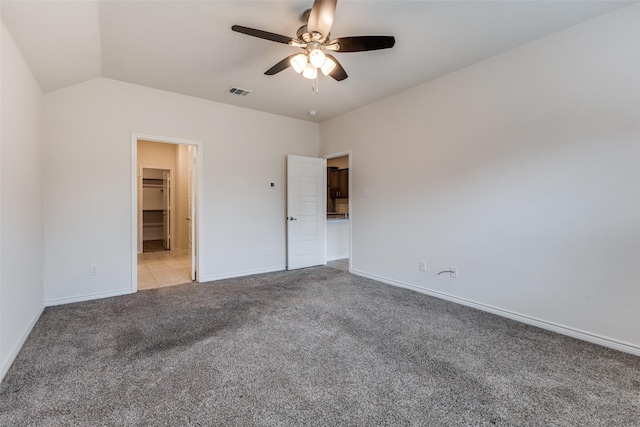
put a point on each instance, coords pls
(156, 200)
(319, 211)
(166, 192)
(339, 213)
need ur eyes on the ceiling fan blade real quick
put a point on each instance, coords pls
(338, 72)
(261, 34)
(280, 66)
(363, 43)
(321, 17)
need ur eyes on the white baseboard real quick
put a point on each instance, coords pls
(6, 364)
(88, 297)
(241, 274)
(550, 326)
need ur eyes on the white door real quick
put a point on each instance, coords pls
(192, 208)
(166, 209)
(306, 218)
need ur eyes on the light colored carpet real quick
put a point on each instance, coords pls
(315, 347)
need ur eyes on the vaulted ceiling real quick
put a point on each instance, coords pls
(188, 46)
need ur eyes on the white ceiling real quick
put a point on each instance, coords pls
(188, 46)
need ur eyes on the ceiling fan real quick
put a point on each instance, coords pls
(314, 39)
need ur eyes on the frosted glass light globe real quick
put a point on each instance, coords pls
(316, 58)
(298, 62)
(309, 72)
(328, 66)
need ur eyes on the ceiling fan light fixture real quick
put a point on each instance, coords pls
(299, 62)
(317, 58)
(310, 72)
(328, 66)
(314, 37)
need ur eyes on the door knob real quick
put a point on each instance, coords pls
(292, 218)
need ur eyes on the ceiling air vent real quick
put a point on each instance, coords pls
(238, 91)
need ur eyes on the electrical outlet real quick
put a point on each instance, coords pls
(422, 266)
(454, 272)
(93, 270)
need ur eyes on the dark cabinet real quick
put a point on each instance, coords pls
(334, 183)
(339, 184)
(343, 187)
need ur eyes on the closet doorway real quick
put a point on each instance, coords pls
(157, 215)
(166, 212)
(339, 197)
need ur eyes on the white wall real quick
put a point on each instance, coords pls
(522, 171)
(21, 214)
(88, 182)
(339, 162)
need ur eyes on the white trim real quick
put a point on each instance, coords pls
(134, 199)
(242, 273)
(88, 297)
(172, 203)
(550, 326)
(134, 212)
(6, 364)
(351, 195)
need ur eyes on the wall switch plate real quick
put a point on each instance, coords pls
(422, 266)
(454, 272)
(93, 270)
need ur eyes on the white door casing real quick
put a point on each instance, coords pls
(135, 197)
(306, 211)
(192, 207)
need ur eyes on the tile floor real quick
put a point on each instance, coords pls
(164, 268)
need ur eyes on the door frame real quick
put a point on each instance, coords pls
(332, 156)
(140, 201)
(198, 223)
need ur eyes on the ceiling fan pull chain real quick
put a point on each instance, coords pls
(314, 85)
